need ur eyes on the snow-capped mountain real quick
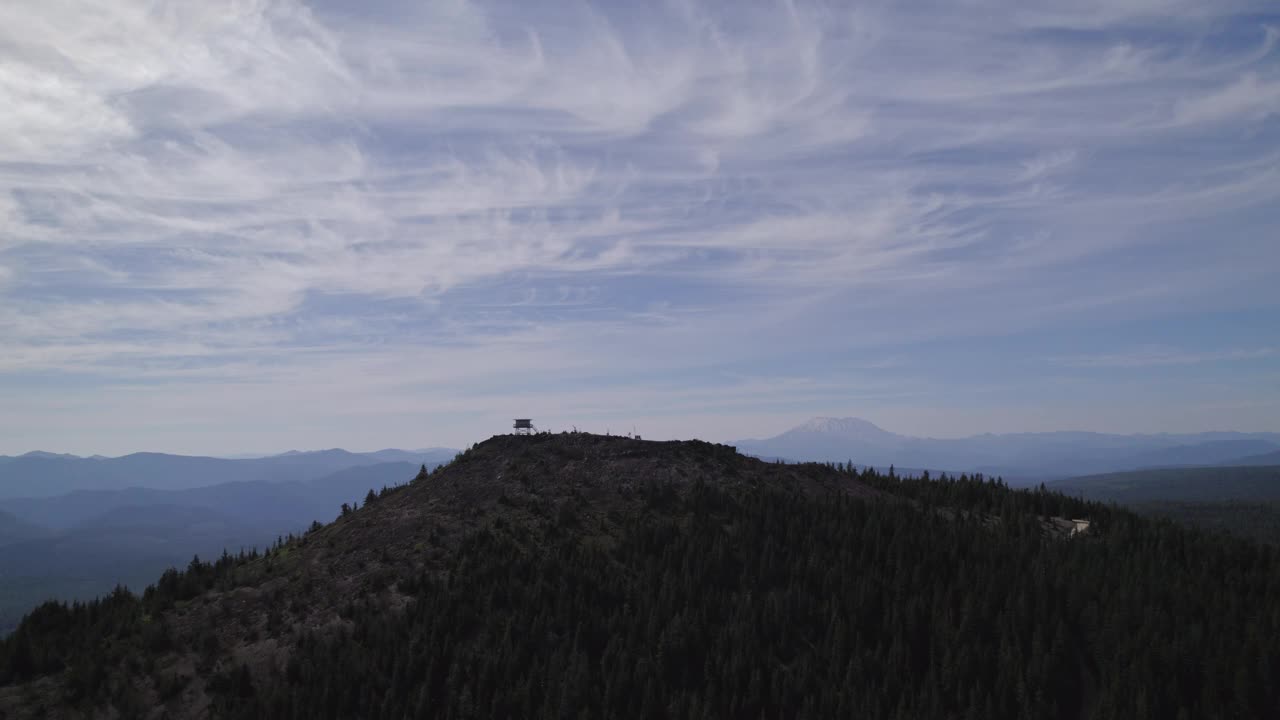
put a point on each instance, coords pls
(1017, 456)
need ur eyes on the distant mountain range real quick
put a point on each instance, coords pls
(1271, 458)
(42, 474)
(14, 529)
(1018, 457)
(89, 524)
(274, 506)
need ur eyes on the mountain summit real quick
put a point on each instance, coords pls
(848, 427)
(832, 439)
(575, 575)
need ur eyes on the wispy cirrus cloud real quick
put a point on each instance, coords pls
(1147, 357)
(245, 193)
(1248, 97)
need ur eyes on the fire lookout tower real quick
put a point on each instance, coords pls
(524, 426)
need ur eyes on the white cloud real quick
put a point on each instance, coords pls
(1046, 164)
(209, 193)
(1248, 98)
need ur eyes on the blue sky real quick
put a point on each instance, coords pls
(261, 225)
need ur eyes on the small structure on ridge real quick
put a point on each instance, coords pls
(524, 426)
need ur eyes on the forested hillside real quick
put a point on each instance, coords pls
(1207, 484)
(1258, 521)
(583, 576)
(1244, 501)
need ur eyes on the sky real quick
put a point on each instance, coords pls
(259, 225)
